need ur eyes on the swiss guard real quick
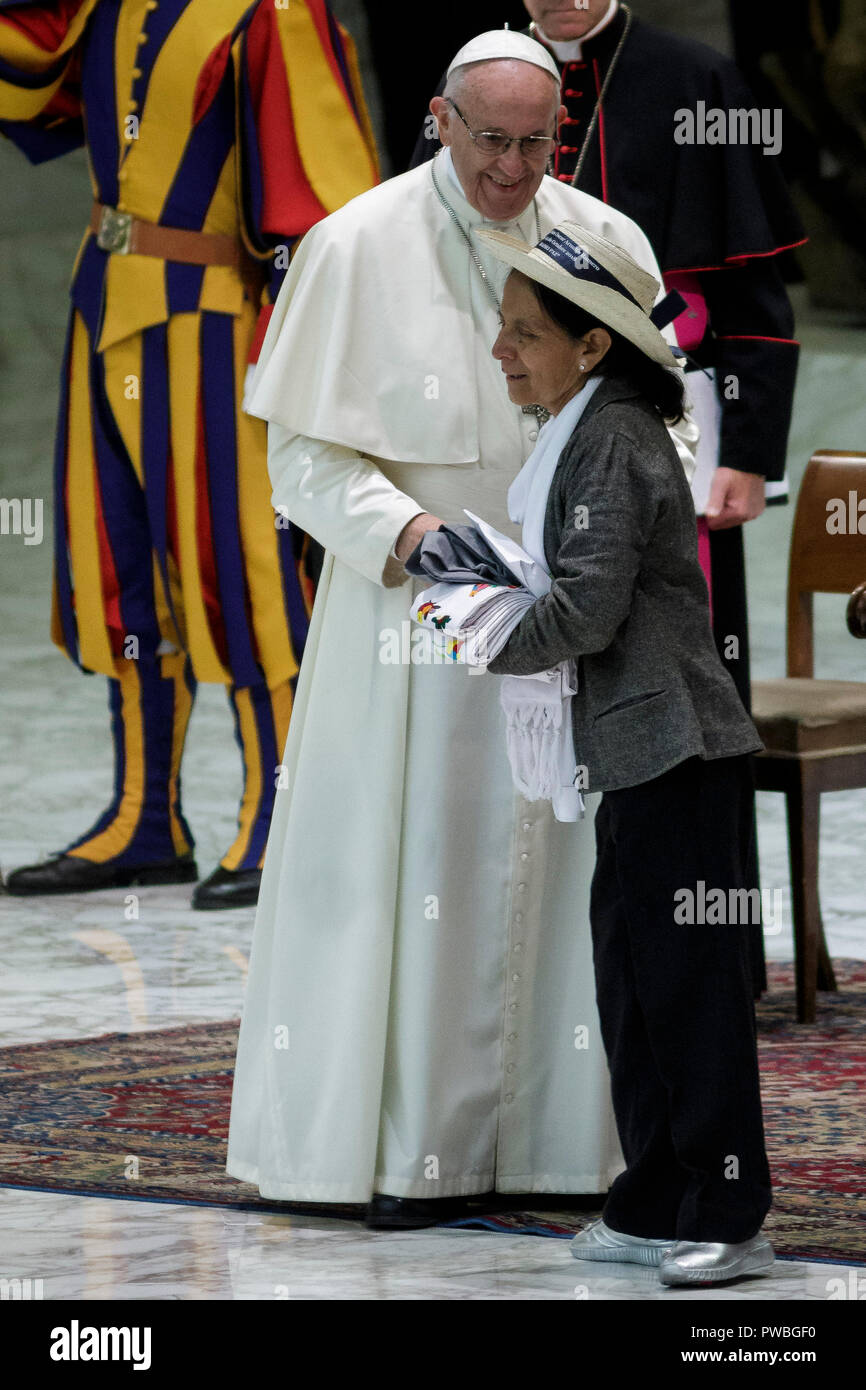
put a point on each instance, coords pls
(218, 133)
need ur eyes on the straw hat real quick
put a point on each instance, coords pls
(592, 273)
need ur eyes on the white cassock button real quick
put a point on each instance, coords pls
(521, 887)
(518, 946)
(510, 1067)
(511, 1037)
(512, 1008)
(533, 434)
(527, 825)
(518, 916)
(524, 855)
(515, 978)
(510, 1096)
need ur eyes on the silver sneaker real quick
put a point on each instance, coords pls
(699, 1262)
(598, 1242)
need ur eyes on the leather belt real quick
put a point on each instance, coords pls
(123, 235)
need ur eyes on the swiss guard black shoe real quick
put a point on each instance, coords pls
(65, 873)
(226, 888)
(412, 1213)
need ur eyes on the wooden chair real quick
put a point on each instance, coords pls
(814, 731)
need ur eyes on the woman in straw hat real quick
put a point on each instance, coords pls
(661, 732)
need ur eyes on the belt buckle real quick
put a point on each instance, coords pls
(114, 231)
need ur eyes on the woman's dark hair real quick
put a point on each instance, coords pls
(662, 386)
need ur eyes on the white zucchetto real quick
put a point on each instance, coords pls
(504, 43)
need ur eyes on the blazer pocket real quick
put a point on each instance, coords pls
(632, 700)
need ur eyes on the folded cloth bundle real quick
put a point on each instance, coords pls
(471, 623)
(458, 555)
(484, 584)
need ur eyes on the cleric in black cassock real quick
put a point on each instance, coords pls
(718, 216)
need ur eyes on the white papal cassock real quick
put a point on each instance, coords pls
(420, 1016)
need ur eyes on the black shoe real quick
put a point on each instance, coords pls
(228, 888)
(412, 1213)
(65, 873)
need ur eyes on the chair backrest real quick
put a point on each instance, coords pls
(828, 545)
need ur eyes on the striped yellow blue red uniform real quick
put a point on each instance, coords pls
(215, 116)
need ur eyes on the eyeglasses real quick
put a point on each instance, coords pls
(493, 142)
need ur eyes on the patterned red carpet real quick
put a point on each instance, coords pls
(145, 1115)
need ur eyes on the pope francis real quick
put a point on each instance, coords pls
(420, 1022)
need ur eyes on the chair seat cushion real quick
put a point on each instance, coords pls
(795, 715)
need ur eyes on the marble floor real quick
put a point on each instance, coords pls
(95, 1249)
(74, 968)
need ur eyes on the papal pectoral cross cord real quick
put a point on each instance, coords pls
(539, 411)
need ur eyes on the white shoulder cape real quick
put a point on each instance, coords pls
(375, 311)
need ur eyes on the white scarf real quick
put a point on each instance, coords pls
(538, 732)
(527, 496)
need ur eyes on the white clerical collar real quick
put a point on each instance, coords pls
(571, 52)
(448, 162)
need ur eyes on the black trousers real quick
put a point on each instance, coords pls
(676, 1008)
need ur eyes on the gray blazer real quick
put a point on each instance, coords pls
(629, 602)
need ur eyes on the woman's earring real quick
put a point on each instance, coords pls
(583, 366)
